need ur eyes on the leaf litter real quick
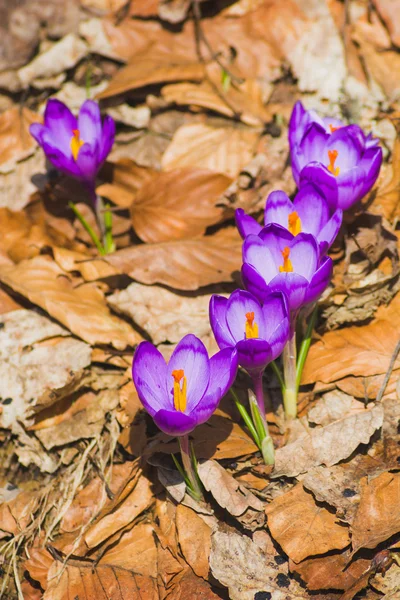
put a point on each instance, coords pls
(91, 505)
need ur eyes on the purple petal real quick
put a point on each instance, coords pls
(276, 238)
(278, 209)
(66, 164)
(304, 255)
(256, 253)
(149, 372)
(318, 175)
(223, 369)
(89, 123)
(332, 121)
(60, 122)
(190, 355)
(320, 280)
(312, 209)
(327, 235)
(349, 143)
(218, 306)
(313, 144)
(87, 162)
(107, 139)
(294, 287)
(370, 141)
(36, 130)
(240, 303)
(174, 422)
(246, 224)
(350, 186)
(275, 309)
(254, 282)
(371, 163)
(254, 354)
(298, 121)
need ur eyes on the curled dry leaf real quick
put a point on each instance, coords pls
(185, 264)
(378, 516)
(239, 564)
(38, 565)
(126, 178)
(302, 527)
(194, 537)
(82, 309)
(328, 445)
(334, 406)
(17, 514)
(150, 67)
(223, 149)
(228, 492)
(164, 315)
(163, 208)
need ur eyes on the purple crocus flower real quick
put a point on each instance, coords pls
(258, 331)
(340, 159)
(308, 213)
(275, 260)
(75, 146)
(186, 391)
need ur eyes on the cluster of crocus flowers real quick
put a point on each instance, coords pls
(78, 147)
(285, 270)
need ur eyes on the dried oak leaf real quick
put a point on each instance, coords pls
(150, 67)
(302, 527)
(81, 309)
(163, 208)
(184, 264)
(194, 537)
(222, 149)
(360, 351)
(84, 580)
(241, 565)
(328, 445)
(377, 517)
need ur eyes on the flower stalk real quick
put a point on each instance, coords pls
(289, 369)
(260, 423)
(192, 480)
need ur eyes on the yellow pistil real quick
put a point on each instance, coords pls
(179, 392)
(287, 266)
(294, 222)
(76, 143)
(251, 327)
(332, 155)
(332, 128)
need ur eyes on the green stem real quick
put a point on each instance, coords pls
(194, 488)
(260, 422)
(108, 238)
(246, 418)
(305, 346)
(278, 373)
(87, 227)
(289, 367)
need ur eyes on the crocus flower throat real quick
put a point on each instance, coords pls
(76, 143)
(332, 155)
(251, 327)
(294, 223)
(287, 266)
(179, 391)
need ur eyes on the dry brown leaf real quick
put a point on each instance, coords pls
(334, 406)
(328, 445)
(241, 565)
(183, 265)
(164, 315)
(389, 11)
(150, 67)
(388, 582)
(194, 539)
(163, 209)
(302, 527)
(136, 550)
(84, 580)
(17, 514)
(220, 438)
(363, 351)
(377, 517)
(228, 492)
(38, 565)
(187, 585)
(126, 178)
(16, 143)
(387, 198)
(82, 309)
(223, 149)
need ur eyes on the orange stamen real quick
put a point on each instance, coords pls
(179, 392)
(76, 143)
(332, 128)
(294, 222)
(333, 154)
(251, 328)
(287, 266)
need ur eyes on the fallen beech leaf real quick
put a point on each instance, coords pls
(334, 572)
(154, 66)
(185, 264)
(164, 315)
(136, 550)
(16, 143)
(377, 517)
(38, 565)
(328, 445)
(17, 514)
(239, 564)
(82, 309)
(386, 202)
(363, 351)
(302, 527)
(187, 585)
(194, 539)
(84, 580)
(228, 492)
(163, 208)
(334, 406)
(224, 149)
(127, 178)
(389, 12)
